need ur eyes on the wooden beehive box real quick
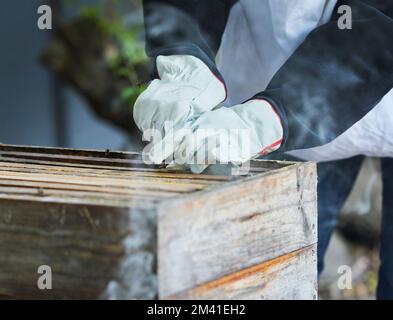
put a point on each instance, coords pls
(111, 227)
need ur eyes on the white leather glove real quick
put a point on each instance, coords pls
(226, 135)
(186, 89)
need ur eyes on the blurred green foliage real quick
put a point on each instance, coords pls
(122, 21)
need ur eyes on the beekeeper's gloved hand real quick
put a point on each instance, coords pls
(185, 89)
(228, 135)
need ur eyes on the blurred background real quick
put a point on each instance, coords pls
(74, 86)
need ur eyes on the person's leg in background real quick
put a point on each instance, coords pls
(385, 281)
(335, 182)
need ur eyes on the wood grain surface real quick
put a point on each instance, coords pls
(291, 276)
(241, 224)
(113, 227)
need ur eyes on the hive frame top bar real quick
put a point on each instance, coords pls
(117, 158)
(104, 177)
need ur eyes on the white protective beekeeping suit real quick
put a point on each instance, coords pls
(260, 36)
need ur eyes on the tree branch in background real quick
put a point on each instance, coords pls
(87, 56)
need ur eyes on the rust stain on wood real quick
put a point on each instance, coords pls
(264, 267)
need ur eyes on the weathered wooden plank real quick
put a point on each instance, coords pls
(216, 235)
(213, 234)
(114, 190)
(107, 154)
(96, 158)
(137, 170)
(136, 200)
(291, 276)
(152, 184)
(17, 167)
(93, 253)
(46, 188)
